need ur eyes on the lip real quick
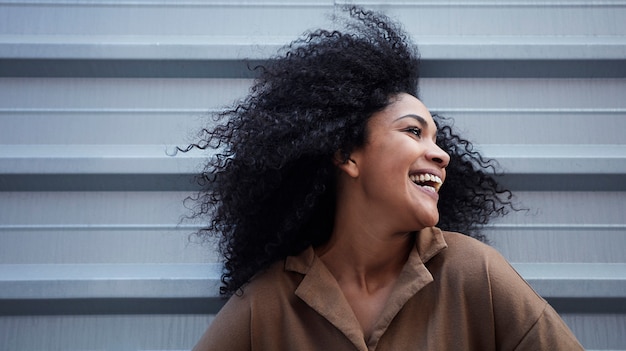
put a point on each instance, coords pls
(431, 194)
(438, 173)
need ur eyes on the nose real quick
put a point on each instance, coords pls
(438, 155)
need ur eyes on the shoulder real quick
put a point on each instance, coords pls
(522, 318)
(477, 261)
(273, 286)
(488, 280)
(465, 254)
(262, 297)
(465, 245)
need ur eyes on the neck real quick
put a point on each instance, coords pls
(366, 249)
(361, 254)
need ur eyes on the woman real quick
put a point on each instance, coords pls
(329, 180)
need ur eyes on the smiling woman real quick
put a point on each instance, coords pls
(329, 182)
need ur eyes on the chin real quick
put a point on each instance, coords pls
(425, 218)
(431, 222)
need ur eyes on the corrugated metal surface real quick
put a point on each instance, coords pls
(95, 94)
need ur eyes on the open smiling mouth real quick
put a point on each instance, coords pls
(428, 181)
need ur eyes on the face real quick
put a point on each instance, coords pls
(400, 168)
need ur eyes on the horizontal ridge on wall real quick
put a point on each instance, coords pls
(325, 3)
(173, 288)
(488, 68)
(489, 57)
(161, 167)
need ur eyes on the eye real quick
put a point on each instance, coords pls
(415, 131)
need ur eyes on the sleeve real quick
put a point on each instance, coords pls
(549, 333)
(523, 319)
(229, 330)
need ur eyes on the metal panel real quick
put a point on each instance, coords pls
(94, 95)
(98, 332)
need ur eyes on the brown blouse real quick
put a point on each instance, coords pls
(454, 293)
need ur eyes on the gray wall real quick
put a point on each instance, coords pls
(95, 94)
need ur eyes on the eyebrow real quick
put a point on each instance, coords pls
(418, 118)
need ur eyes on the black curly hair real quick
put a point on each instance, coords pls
(269, 188)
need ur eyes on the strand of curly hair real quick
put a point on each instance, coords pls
(268, 189)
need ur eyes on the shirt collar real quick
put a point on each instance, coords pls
(429, 242)
(321, 292)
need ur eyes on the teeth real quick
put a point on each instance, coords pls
(422, 178)
(425, 178)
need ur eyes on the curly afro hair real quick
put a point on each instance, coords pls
(268, 190)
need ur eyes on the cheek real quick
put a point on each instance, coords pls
(388, 162)
(388, 179)
(379, 177)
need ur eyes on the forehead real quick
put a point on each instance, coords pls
(402, 105)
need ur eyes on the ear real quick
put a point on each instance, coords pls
(349, 166)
